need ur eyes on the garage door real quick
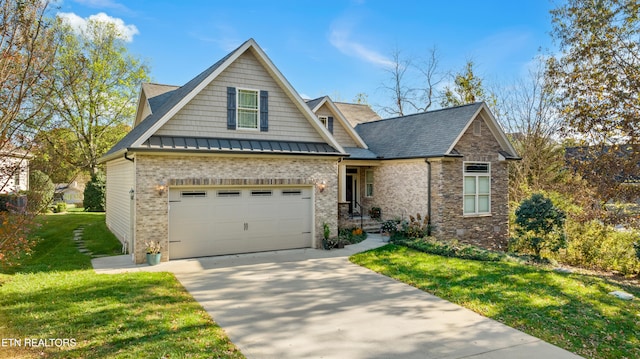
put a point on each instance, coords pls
(206, 222)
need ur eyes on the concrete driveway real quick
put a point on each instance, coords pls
(316, 304)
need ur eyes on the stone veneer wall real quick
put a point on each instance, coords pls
(152, 215)
(447, 212)
(401, 188)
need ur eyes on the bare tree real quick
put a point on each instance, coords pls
(397, 85)
(412, 84)
(527, 111)
(432, 78)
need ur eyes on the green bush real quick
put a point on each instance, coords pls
(94, 193)
(598, 246)
(61, 207)
(351, 235)
(450, 249)
(539, 225)
(41, 190)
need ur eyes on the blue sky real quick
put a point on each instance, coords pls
(336, 48)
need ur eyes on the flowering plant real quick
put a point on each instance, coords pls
(153, 247)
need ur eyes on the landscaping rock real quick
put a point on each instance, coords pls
(563, 270)
(622, 295)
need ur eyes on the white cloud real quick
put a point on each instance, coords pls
(79, 24)
(340, 39)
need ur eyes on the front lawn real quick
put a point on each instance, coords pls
(571, 311)
(55, 299)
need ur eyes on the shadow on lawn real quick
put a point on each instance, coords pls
(138, 314)
(570, 310)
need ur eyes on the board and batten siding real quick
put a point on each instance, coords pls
(120, 180)
(206, 114)
(339, 132)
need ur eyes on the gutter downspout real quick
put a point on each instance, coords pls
(128, 158)
(428, 198)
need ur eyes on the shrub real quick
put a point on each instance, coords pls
(415, 227)
(598, 246)
(450, 249)
(94, 193)
(41, 190)
(61, 207)
(389, 226)
(351, 235)
(539, 225)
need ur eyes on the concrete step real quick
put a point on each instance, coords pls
(368, 225)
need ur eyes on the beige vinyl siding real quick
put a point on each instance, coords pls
(339, 132)
(206, 114)
(120, 174)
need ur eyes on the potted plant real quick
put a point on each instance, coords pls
(153, 249)
(326, 242)
(375, 212)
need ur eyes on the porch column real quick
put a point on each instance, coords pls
(342, 181)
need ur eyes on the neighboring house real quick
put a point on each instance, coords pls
(235, 161)
(14, 171)
(69, 193)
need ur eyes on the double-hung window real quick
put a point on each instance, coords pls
(368, 180)
(477, 188)
(248, 109)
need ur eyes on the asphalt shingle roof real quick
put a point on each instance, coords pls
(427, 134)
(313, 103)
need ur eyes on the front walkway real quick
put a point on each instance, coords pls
(316, 304)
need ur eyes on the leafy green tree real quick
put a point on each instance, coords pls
(597, 81)
(94, 193)
(27, 51)
(56, 154)
(95, 90)
(467, 88)
(41, 191)
(540, 224)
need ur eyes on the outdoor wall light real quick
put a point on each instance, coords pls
(321, 185)
(131, 193)
(161, 188)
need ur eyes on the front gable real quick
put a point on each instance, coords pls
(483, 136)
(183, 117)
(206, 115)
(336, 123)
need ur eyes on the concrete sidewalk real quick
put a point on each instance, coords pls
(316, 304)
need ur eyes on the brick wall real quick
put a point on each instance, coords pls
(447, 211)
(152, 209)
(400, 188)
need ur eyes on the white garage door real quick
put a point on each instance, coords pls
(214, 221)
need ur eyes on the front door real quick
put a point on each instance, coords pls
(352, 190)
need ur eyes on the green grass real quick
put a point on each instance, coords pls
(571, 311)
(56, 294)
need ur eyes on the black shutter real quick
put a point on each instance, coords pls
(330, 124)
(264, 111)
(231, 108)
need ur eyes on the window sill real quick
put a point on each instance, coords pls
(476, 215)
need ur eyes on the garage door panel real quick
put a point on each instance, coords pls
(234, 220)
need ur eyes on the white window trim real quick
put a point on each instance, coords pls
(366, 184)
(466, 174)
(324, 120)
(238, 127)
